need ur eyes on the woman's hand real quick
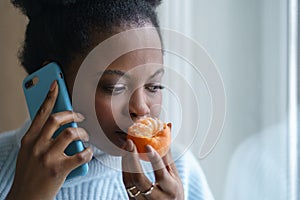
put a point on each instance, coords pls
(167, 182)
(42, 165)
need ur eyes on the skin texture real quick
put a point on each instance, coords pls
(137, 88)
(41, 161)
(46, 164)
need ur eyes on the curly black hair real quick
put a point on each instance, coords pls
(58, 30)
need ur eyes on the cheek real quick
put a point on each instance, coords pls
(103, 110)
(155, 104)
(107, 111)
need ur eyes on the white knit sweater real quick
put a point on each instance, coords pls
(104, 179)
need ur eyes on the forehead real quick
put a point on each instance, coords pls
(124, 51)
(143, 59)
(138, 65)
(137, 44)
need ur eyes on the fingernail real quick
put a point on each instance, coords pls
(53, 86)
(85, 138)
(129, 146)
(80, 116)
(149, 150)
(91, 151)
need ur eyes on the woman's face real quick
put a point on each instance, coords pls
(129, 88)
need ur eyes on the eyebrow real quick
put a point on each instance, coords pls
(123, 74)
(115, 72)
(160, 71)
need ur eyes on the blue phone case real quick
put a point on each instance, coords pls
(36, 95)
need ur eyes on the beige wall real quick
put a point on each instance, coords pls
(13, 111)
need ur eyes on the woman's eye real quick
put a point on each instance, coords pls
(154, 88)
(114, 89)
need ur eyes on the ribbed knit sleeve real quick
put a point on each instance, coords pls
(6, 144)
(8, 154)
(106, 187)
(193, 178)
(104, 179)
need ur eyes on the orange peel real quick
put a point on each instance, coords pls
(150, 131)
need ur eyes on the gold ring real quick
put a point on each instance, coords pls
(149, 191)
(129, 191)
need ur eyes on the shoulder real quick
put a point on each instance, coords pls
(9, 148)
(10, 140)
(191, 174)
(7, 142)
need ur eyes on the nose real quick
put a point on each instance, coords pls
(138, 106)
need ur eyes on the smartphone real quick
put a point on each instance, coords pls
(36, 87)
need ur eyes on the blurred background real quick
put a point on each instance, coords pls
(13, 109)
(247, 40)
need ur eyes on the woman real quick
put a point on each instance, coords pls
(66, 31)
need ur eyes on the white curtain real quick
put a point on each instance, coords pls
(247, 41)
(186, 98)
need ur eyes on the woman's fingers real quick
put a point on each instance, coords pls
(44, 140)
(44, 111)
(44, 124)
(125, 167)
(138, 186)
(169, 163)
(68, 135)
(162, 176)
(57, 120)
(133, 175)
(72, 162)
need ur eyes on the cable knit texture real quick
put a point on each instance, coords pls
(104, 179)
